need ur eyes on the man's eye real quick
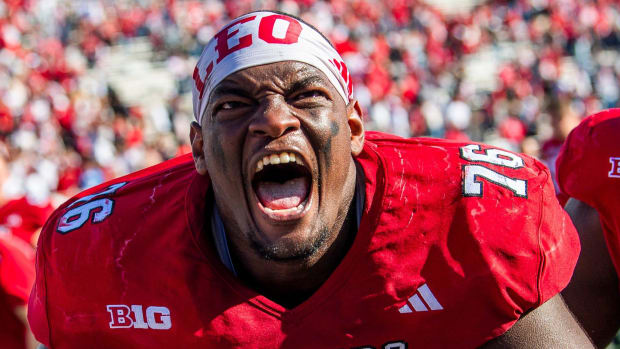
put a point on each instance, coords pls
(310, 94)
(230, 105)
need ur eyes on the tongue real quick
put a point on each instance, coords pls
(280, 196)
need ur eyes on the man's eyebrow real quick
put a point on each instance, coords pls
(307, 82)
(224, 89)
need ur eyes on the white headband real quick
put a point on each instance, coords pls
(260, 38)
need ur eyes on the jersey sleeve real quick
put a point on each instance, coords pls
(558, 244)
(525, 244)
(532, 246)
(529, 246)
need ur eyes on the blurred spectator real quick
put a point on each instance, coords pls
(531, 147)
(563, 120)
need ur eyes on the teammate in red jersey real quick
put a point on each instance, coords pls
(291, 227)
(588, 171)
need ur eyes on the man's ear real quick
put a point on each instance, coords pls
(195, 137)
(354, 119)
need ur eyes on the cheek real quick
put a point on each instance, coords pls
(222, 153)
(329, 136)
(332, 137)
(324, 129)
(216, 150)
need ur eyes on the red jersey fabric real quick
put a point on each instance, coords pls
(437, 261)
(588, 169)
(17, 275)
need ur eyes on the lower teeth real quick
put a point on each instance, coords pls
(299, 208)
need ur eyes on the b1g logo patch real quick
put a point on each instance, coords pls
(132, 316)
(615, 167)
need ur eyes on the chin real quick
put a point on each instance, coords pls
(288, 248)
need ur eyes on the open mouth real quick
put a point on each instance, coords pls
(282, 185)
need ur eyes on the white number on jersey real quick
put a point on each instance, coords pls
(100, 209)
(491, 156)
(472, 174)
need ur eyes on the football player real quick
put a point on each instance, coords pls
(289, 226)
(588, 170)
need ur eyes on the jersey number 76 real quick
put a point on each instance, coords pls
(474, 173)
(100, 209)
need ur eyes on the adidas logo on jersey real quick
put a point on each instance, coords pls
(416, 301)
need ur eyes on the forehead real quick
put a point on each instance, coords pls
(282, 75)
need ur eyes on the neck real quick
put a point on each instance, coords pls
(290, 283)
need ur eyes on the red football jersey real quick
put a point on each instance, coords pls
(16, 278)
(456, 242)
(588, 169)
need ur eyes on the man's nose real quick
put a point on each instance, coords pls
(274, 118)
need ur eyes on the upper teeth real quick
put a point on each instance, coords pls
(275, 159)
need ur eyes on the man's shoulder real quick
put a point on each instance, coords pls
(466, 191)
(118, 208)
(115, 244)
(140, 179)
(428, 149)
(466, 169)
(474, 186)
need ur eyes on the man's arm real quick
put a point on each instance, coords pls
(549, 326)
(593, 294)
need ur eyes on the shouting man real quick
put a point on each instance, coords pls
(291, 227)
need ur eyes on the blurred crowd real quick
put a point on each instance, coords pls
(63, 127)
(518, 74)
